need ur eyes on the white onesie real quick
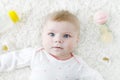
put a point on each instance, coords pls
(46, 67)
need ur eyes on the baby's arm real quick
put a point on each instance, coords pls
(88, 73)
(16, 59)
(91, 75)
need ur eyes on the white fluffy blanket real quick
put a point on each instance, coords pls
(101, 56)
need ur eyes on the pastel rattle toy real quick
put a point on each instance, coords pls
(13, 16)
(106, 34)
(101, 18)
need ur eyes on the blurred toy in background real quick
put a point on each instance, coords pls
(5, 48)
(8, 20)
(13, 16)
(101, 18)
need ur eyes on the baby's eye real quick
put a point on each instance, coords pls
(51, 34)
(67, 36)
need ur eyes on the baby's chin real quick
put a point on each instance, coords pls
(57, 52)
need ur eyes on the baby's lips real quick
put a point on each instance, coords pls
(57, 47)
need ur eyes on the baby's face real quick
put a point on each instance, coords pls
(59, 38)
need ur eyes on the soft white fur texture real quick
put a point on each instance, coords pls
(26, 33)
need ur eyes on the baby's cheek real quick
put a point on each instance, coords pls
(48, 42)
(71, 46)
(44, 42)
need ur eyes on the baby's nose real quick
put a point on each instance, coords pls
(58, 40)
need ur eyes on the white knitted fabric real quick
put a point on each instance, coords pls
(101, 56)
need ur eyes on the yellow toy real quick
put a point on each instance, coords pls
(13, 16)
(5, 48)
(106, 34)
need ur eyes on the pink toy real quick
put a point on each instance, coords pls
(100, 17)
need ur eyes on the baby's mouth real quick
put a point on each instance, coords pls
(57, 47)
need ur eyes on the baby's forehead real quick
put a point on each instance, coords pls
(56, 24)
(59, 25)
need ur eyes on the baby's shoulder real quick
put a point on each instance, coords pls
(80, 59)
(87, 72)
(39, 52)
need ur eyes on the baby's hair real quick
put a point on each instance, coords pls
(64, 15)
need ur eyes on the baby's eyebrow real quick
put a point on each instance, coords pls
(68, 32)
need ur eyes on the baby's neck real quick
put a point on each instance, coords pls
(62, 57)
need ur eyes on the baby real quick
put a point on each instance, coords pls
(56, 60)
